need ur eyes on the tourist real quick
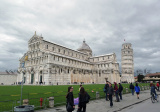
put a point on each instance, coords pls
(153, 90)
(83, 99)
(120, 90)
(106, 89)
(70, 100)
(132, 88)
(80, 87)
(110, 94)
(157, 85)
(137, 90)
(116, 91)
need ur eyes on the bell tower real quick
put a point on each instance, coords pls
(127, 63)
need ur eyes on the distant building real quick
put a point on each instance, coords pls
(49, 63)
(127, 63)
(8, 78)
(152, 77)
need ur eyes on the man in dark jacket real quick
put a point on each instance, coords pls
(110, 93)
(132, 88)
(120, 91)
(106, 88)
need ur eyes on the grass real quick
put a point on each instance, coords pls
(9, 95)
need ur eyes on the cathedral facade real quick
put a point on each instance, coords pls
(49, 63)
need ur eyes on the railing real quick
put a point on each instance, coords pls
(8, 106)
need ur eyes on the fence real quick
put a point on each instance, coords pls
(34, 99)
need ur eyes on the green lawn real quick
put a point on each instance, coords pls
(12, 94)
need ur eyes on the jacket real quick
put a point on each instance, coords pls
(110, 91)
(137, 88)
(153, 88)
(120, 88)
(82, 98)
(115, 86)
(70, 98)
(106, 87)
(157, 84)
(131, 86)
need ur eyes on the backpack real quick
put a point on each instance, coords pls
(87, 98)
(104, 89)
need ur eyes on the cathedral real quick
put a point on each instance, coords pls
(51, 64)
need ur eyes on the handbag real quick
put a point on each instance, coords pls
(69, 107)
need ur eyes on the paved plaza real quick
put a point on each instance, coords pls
(103, 106)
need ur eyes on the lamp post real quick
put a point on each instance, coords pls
(22, 83)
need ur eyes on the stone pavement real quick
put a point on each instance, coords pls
(104, 106)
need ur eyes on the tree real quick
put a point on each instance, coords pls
(140, 78)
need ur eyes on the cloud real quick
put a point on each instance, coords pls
(104, 24)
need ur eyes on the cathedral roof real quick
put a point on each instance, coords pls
(84, 46)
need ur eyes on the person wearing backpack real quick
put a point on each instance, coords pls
(132, 88)
(83, 100)
(137, 89)
(120, 90)
(106, 89)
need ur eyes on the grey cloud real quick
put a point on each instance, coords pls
(103, 24)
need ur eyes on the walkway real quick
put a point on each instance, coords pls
(103, 106)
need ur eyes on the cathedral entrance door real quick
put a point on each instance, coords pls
(40, 79)
(32, 78)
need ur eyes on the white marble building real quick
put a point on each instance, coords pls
(7, 78)
(127, 63)
(50, 63)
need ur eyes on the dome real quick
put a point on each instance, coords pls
(84, 46)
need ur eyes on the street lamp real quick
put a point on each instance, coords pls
(24, 70)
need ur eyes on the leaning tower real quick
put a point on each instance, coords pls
(127, 63)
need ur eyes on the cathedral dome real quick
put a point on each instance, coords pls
(84, 46)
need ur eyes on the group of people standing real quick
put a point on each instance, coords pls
(83, 99)
(109, 90)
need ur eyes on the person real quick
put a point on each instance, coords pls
(70, 98)
(116, 91)
(153, 90)
(106, 89)
(120, 90)
(110, 94)
(132, 88)
(83, 95)
(80, 87)
(137, 90)
(157, 86)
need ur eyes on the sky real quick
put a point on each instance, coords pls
(104, 24)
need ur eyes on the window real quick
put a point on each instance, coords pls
(128, 52)
(59, 50)
(52, 48)
(103, 58)
(47, 47)
(99, 74)
(108, 57)
(64, 52)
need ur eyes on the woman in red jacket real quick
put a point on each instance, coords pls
(157, 85)
(116, 91)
